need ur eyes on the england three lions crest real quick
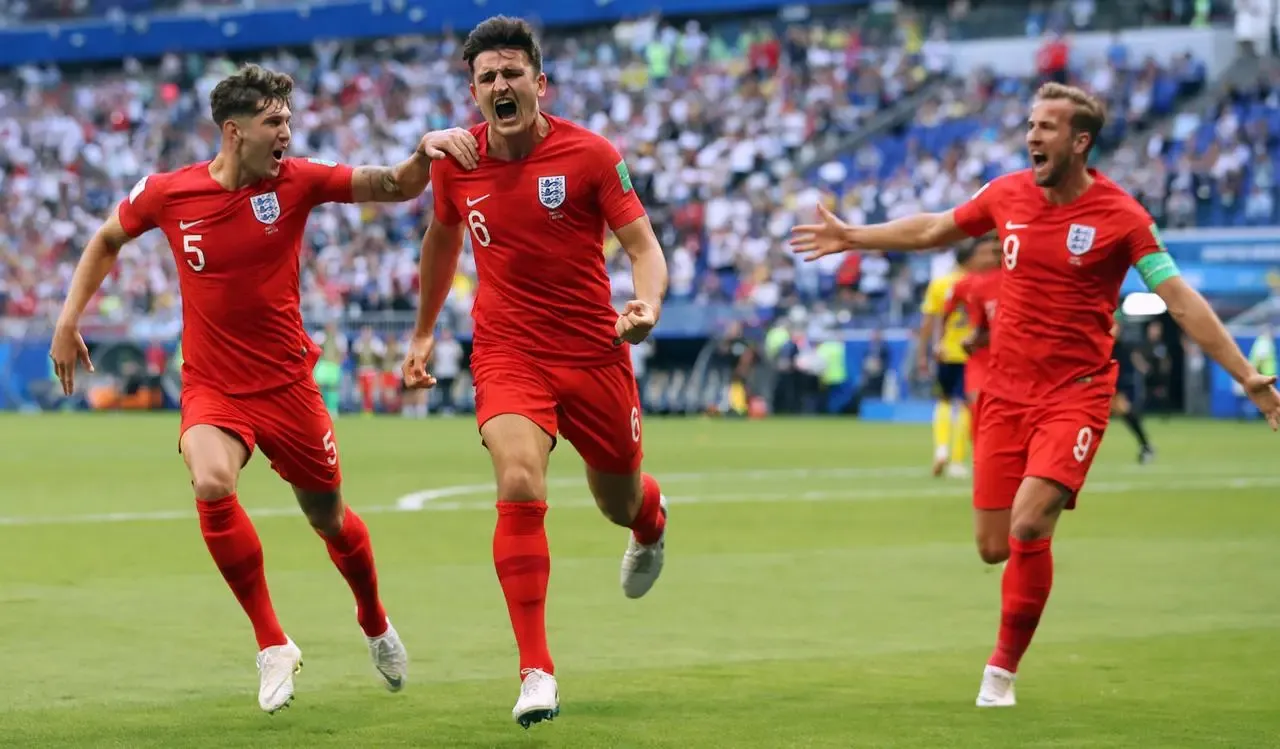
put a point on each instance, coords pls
(266, 207)
(551, 191)
(1080, 239)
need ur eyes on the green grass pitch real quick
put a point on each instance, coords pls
(820, 591)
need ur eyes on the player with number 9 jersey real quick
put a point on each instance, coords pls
(1069, 236)
(1046, 401)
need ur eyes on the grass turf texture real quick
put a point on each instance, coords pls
(820, 591)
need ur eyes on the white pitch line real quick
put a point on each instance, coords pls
(430, 500)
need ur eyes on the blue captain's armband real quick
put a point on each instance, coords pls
(1157, 268)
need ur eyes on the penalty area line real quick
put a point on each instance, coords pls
(435, 499)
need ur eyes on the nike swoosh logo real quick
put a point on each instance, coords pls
(184, 225)
(476, 201)
(1010, 226)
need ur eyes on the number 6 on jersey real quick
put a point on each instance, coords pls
(475, 221)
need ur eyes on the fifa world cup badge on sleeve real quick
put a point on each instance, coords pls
(624, 175)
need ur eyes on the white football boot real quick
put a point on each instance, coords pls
(642, 564)
(997, 688)
(390, 658)
(539, 698)
(276, 668)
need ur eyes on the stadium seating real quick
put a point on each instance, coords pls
(723, 190)
(1215, 167)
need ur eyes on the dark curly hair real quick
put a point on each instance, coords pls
(250, 91)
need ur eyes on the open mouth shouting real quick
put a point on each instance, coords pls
(506, 109)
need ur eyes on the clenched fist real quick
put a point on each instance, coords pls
(636, 322)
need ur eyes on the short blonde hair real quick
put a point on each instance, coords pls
(1090, 115)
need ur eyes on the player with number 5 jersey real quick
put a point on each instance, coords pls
(1068, 237)
(235, 226)
(550, 353)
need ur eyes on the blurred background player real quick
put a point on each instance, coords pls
(1068, 237)
(390, 381)
(235, 227)
(1262, 355)
(370, 352)
(446, 366)
(550, 351)
(1129, 397)
(977, 293)
(328, 370)
(944, 355)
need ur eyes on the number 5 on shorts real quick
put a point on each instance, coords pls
(1084, 440)
(330, 448)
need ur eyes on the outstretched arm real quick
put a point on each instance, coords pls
(923, 231)
(1194, 315)
(407, 180)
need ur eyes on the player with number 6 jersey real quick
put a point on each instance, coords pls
(1068, 237)
(550, 352)
(235, 226)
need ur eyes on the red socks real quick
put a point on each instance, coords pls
(237, 552)
(523, 563)
(1024, 591)
(650, 521)
(352, 553)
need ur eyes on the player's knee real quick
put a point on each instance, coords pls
(213, 482)
(521, 481)
(1030, 528)
(993, 550)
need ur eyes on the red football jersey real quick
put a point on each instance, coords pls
(537, 228)
(1063, 268)
(238, 255)
(977, 293)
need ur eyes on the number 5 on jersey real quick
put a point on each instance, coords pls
(330, 449)
(195, 255)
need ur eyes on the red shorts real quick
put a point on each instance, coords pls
(1056, 442)
(596, 408)
(975, 375)
(290, 424)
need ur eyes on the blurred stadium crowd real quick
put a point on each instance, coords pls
(714, 120)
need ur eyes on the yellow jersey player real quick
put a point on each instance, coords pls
(951, 413)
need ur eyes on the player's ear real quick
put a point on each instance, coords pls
(472, 86)
(1083, 141)
(230, 130)
(542, 83)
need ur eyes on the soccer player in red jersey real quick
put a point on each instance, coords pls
(976, 295)
(1068, 237)
(235, 226)
(550, 352)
